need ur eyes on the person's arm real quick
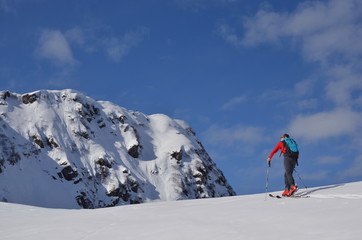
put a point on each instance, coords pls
(278, 147)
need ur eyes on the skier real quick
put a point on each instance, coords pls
(290, 160)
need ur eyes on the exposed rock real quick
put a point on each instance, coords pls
(133, 151)
(5, 95)
(177, 155)
(122, 119)
(84, 201)
(190, 131)
(13, 158)
(83, 134)
(120, 192)
(38, 141)
(68, 173)
(103, 162)
(1, 165)
(52, 143)
(29, 98)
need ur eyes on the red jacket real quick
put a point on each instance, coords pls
(279, 146)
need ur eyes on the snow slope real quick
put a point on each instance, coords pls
(331, 213)
(63, 149)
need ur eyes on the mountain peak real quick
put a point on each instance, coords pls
(64, 149)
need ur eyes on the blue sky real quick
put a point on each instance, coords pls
(240, 72)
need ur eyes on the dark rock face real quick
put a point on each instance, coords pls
(103, 162)
(68, 173)
(83, 201)
(177, 155)
(29, 98)
(38, 141)
(133, 151)
(5, 95)
(8, 151)
(52, 143)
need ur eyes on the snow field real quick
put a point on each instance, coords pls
(331, 212)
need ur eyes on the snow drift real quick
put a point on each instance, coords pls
(63, 149)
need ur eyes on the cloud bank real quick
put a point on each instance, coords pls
(328, 33)
(321, 125)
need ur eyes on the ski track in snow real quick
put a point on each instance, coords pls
(331, 213)
(345, 196)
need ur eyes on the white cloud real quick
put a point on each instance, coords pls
(239, 140)
(323, 29)
(321, 175)
(57, 46)
(264, 27)
(311, 103)
(76, 35)
(274, 94)
(327, 160)
(358, 101)
(117, 48)
(197, 5)
(218, 135)
(355, 170)
(6, 6)
(234, 102)
(228, 34)
(326, 124)
(344, 82)
(304, 87)
(54, 46)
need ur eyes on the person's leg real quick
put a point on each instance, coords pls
(289, 165)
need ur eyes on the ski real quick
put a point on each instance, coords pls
(293, 196)
(274, 196)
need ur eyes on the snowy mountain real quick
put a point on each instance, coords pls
(330, 213)
(63, 149)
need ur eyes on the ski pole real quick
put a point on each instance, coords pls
(267, 181)
(300, 179)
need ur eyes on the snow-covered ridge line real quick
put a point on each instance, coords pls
(64, 149)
